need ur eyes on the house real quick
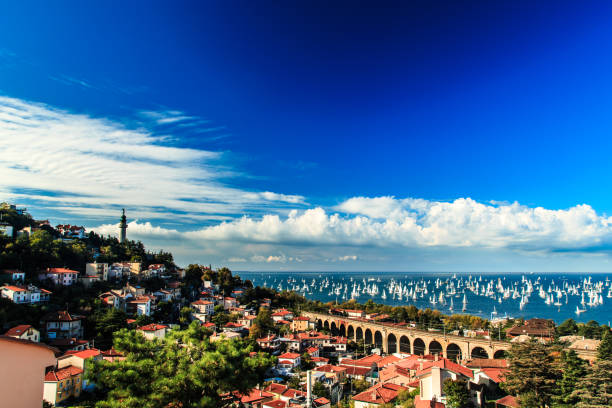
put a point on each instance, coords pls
(271, 342)
(79, 359)
(232, 327)
(22, 376)
(247, 321)
(62, 383)
(354, 314)
(378, 395)
(542, 328)
(210, 326)
(254, 399)
(153, 331)
(225, 336)
(320, 361)
(24, 332)
(24, 294)
(141, 305)
(288, 361)
(118, 270)
(71, 231)
(100, 270)
(282, 314)
(60, 276)
(112, 355)
(432, 374)
(203, 309)
(70, 344)
(301, 323)
(337, 373)
(12, 275)
(164, 295)
(62, 325)
(313, 351)
(228, 302)
(156, 270)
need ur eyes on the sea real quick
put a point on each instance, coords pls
(556, 296)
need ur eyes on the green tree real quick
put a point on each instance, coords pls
(567, 328)
(604, 351)
(182, 370)
(457, 394)
(595, 388)
(320, 390)
(574, 369)
(533, 373)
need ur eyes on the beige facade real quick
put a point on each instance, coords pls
(23, 372)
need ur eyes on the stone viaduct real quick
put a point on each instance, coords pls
(397, 339)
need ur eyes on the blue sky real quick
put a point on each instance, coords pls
(261, 135)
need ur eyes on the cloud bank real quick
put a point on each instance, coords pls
(386, 224)
(83, 165)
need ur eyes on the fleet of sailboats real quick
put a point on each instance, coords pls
(440, 292)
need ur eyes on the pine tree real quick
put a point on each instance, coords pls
(604, 351)
(574, 369)
(182, 370)
(594, 390)
(533, 373)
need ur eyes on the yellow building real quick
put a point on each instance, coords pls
(63, 383)
(301, 323)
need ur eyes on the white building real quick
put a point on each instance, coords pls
(153, 331)
(60, 276)
(24, 332)
(24, 294)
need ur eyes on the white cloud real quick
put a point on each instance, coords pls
(79, 164)
(411, 224)
(347, 258)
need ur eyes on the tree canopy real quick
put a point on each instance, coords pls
(183, 370)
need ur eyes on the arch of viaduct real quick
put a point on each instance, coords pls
(393, 339)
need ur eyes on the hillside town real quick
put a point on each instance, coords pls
(64, 326)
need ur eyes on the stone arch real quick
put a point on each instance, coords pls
(418, 346)
(404, 345)
(319, 324)
(350, 332)
(453, 352)
(359, 333)
(367, 336)
(479, 352)
(378, 339)
(500, 354)
(435, 347)
(334, 329)
(391, 343)
(326, 325)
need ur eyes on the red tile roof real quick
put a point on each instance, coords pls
(84, 354)
(380, 393)
(18, 330)
(15, 288)
(153, 327)
(60, 271)
(253, 395)
(446, 364)
(61, 316)
(508, 401)
(495, 374)
(289, 355)
(62, 373)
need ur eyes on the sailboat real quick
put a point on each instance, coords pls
(464, 303)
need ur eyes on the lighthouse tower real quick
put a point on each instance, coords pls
(122, 227)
